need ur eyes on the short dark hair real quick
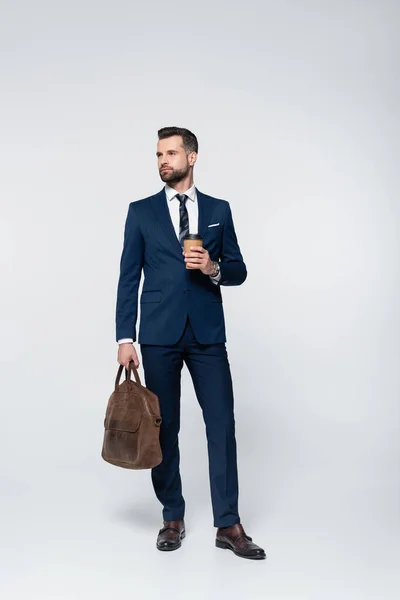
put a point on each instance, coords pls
(190, 142)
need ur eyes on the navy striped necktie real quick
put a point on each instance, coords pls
(183, 218)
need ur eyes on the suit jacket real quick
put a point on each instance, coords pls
(170, 291)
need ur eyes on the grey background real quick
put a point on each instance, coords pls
(295, 105)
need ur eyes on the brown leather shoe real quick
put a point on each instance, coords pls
(234, 538)
(170, 536)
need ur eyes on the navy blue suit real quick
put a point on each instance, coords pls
(182, 320)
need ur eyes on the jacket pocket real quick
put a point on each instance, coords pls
(153, 296)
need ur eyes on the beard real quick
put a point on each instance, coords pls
(175, 175)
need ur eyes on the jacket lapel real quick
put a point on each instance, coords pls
(205, 206)
(162, 214)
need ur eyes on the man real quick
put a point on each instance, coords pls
(181, 321)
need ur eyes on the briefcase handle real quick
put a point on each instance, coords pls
(131, 367)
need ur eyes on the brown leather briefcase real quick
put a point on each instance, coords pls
(132, 424)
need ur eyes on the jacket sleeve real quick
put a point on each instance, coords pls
(233, 269)
(131, 264)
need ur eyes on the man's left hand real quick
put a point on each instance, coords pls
(198, 258)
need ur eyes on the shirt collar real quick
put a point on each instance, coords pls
(171, 193)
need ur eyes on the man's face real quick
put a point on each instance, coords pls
(173, 162)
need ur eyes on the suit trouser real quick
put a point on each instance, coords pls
(210, 371)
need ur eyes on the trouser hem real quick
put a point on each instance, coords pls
(228, 522)
(173, 516)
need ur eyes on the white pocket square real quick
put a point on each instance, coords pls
(214, 225)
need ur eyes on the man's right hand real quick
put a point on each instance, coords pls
(126, 353)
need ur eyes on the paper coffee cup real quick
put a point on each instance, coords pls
(191, 239)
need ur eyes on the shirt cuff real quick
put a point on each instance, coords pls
(216, 278)
(125, 341)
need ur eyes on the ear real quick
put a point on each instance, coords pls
(192, 158)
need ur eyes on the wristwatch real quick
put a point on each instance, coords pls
(216, 269)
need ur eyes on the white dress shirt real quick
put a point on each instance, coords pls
(193, 214)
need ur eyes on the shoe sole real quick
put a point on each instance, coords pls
(226, 546)
(166, 549)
